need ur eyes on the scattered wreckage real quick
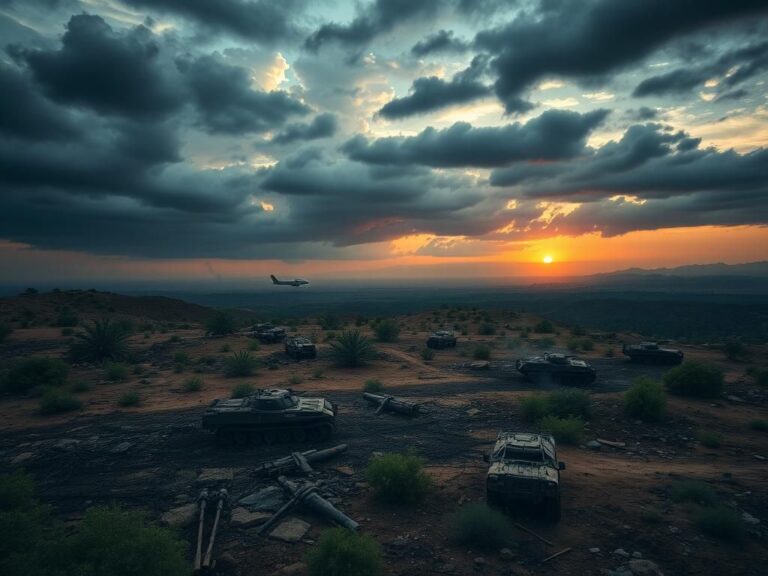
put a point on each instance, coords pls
(300, 347)
(392, 404)
(441, 339)
(269, 416)
(652, 353)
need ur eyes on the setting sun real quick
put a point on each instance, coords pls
(547, 259)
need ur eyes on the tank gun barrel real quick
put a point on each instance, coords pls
(393, 404)
(296, 460)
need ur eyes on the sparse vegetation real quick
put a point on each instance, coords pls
(253, 346)
(129, 399)
(221, 324)
(534, 408)
(295, 380)
(340, 552)
(387, 331)
(710, 438)
(695, 379)
(57, 401)
(759, 425)
(242, 390)
(545, 343)
(427, 354)
(720, 522)
(101, 340)
(240, 364)
(694, 491)
(33, 372)
(479, 526)
(568, 402)
(398, 478)
(544, 327)
(352, 349)
(329, 322)
(735, 350)
(565, 430)
(79, 386)
(181, 358)
(193, 384)
(5, 331)
(317, 374)
(115, 372)
(225, 348)
(645, 400)
(486, 329)
(373, 386)
(482, 352)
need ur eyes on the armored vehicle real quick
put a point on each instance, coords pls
(300, 347)
(524, 469)
(651, 353)
(441, 339)
(271, 335)
(268, 416)
(557, 368)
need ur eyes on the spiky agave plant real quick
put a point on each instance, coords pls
(240, 364)
(101, 340)
(351, 348)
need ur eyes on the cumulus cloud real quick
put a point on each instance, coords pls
(322, 126)
(440, 41)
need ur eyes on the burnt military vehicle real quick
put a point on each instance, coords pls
(300, 347)
(652, 353)
(269, 416)
(267, 333)
(524, 469)
(557, 368)
(441, 339)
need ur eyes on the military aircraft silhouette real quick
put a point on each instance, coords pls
(295, 283)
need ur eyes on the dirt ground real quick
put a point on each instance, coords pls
(152, 456)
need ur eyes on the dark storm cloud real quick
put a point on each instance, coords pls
(259, 20)
(440, 41)
(587, 40)
(226, 102)
(641, 114)
(556, 134)
(742, 65)
(26, 114)
(377, 18)
(433, 93)
(107, 71)
(322, 126)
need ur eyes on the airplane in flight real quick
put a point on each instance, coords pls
(295, 283)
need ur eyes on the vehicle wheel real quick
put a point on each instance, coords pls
(224, 437)
(269, 436)
(300, 435)
(284, 436)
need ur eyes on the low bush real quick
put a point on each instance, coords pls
(398, 478)
(486, 329)
(545, 343)
(317, 374)
(534, 408)
(295, 380)
(587, 345)
(720, 522)
(329, 322)
(101, 340)
(565, 430)
(735, 350)
(481, 352)
(79, 386)
(129, 399)
(193, 384)
(759, 425)
(340, 552)
(240, 365)
(645, 400)
(695, 379)
(761, 376)
(693, 491)
(568, 402)
(544, 327)
(225, 348)
(5, 331)
(352, 349)
(427, 354)
(373, 386)
(181, 358)
(56, 401)
(220, 324)
(242, 390)
(479, 526)
(68, 331)
(33, 372)
(253, 346)
(387, 331)
(710, 439)
(115, 372)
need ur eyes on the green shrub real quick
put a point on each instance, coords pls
(568, 402)
(696, 379)
(340, 552)
(221, 324)
(574, 344)
(79, 386)
(56, 401)
(193, 384)
(534, 408)
(545, 343)
(486, 329)
(352, 349)
(317, 374)
(373, 385)
(720, 522)
(587, 345)
(33, 372)
(481, 352)
(295, 380)
(101, 340)
(398, 478)
(115, 371)
(68, 331)
(240, 364)
(761, 376)
(693, 491)
(479, 526)
(253, 346)
(225, 348)
(387, 331)
(181, 358)
(242, 390)
(645, 400)
(329, 322)
(544, 327)
(710, 439)
(129, 399)
(113, 542)
(565, 430)
(427, 354)
(175, 339)
(735, 350)
(759, 425)
(5, 331)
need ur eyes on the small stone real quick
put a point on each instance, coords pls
(644, 568)
(594, 445)
(243, 518)
(473, 412)
(291, 530)
(479, 561)
(295, 569)
(181, 516)
(270, 499)
(23, 457)
(595, 550)
(674, 530)
(122, 447)
(215, 475)
(506, 554)
(621, 552)
(749, 519)
(480, 365)
(345, 470)
(758, 457)
(66, 444)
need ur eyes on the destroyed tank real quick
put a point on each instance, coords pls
(269, 416)
(557, 368)
(270, 334)
(524, 469)
(300, 347)
(651, 353)
(441, 339)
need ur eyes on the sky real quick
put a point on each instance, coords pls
(190, 140)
